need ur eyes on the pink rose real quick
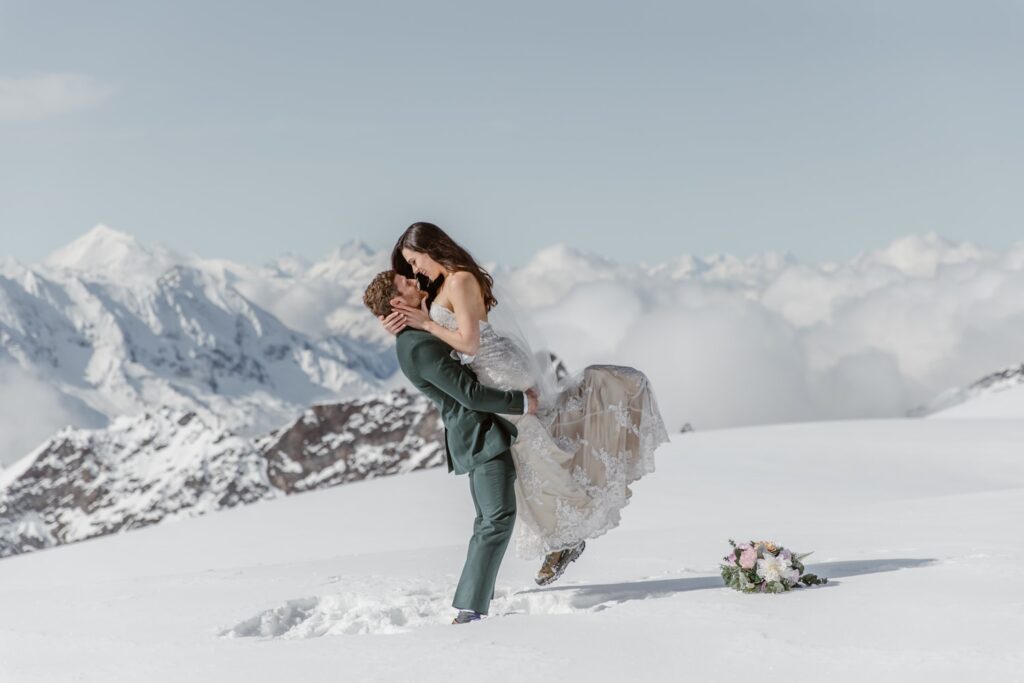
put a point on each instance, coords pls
(748, 558)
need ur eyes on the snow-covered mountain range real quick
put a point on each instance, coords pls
(109, 327)
(182, 376)
(118, 328)
(167, 464)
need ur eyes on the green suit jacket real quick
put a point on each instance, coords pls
(474, 433)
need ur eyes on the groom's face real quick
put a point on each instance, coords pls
(408, 291)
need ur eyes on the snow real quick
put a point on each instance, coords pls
(914, 520)
(1005, 402)
(997, 394)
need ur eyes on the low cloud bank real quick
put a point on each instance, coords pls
(31, 411)
(729, 342)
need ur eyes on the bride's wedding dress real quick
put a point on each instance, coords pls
(576, 458)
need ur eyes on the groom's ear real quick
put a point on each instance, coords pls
(396, 300)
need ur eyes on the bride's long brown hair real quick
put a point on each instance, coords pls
(431, 240)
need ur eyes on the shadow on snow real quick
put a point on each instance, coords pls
(598, 596)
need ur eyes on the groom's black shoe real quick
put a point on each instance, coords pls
(465, 616)
(555, 563)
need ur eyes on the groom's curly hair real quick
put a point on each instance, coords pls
(380, 292)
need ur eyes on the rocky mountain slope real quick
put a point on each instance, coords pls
(167, 463)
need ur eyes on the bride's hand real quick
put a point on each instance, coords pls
(531, 401)
(417, 318)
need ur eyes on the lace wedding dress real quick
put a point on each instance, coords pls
(576, 458)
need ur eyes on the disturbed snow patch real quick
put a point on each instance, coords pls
(392, 606)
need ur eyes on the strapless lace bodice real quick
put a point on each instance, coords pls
(499, 362)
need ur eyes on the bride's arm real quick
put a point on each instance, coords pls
(464, 292)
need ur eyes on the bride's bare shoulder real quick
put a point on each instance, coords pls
(463, 286)
(463, 279)
(465, 295)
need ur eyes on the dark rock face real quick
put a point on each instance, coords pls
(159, 465)
(1001, 379)
(342, 442)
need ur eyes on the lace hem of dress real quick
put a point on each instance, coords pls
(601, 510)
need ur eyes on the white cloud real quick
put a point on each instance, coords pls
(31, 410)
(785, 341)
(42, 95)
(729, 341)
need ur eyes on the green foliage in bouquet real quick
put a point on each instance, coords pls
(764, 567)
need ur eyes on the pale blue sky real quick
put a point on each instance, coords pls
(640, 130)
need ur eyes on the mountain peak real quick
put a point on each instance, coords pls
(352, 263)
(108, 252)
(105, 232)
(96, 248)
(290, 264)
(353, 248)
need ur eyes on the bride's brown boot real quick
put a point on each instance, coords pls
(556, 562)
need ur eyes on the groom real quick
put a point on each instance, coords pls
(477, 439)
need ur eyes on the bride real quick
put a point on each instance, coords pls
(594, 434)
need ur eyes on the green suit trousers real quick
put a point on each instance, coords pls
(491, 485)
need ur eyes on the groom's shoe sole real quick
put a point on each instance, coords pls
(562, 566)
(466, 619)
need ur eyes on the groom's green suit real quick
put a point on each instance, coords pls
(477, 442)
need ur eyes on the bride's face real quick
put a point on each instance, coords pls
(422, 263)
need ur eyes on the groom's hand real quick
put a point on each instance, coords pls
(531, 399)
(394, 322)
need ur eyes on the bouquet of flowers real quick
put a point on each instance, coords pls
(764, 567)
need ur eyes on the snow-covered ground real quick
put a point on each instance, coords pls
(1000, 399)
(916, 522)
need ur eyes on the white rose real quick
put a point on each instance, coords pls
(775, 568)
